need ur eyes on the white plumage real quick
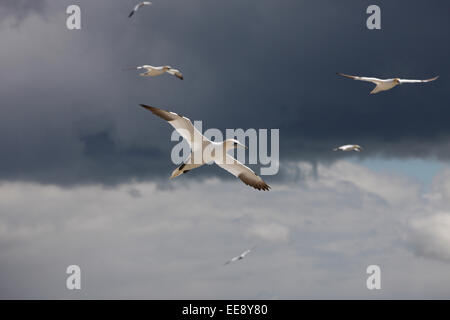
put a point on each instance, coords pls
(138, 6)
(239, 257)
(199, 143)
(385, 84)
(349, 147)
(157, 71)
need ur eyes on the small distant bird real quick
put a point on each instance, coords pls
(157, 71)
(349, 147)
(239, 257)
(138, 6)
(385, 84)
(199, 143)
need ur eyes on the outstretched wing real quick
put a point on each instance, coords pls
(418, 81)
(139, 68)
(231, 260)
(246, 252)
(374, 80)
(182, 124)
(176, 73)
(136, 8)
(378, 88)
(243, 172)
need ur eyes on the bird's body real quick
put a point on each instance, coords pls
(239, 257)
(349, 147)
(157, 71)
(138, 6)
(152, 71)
(385, 84)
(205, 151)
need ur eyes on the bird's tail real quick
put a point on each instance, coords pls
(176, 173)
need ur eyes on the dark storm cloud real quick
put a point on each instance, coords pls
(70, 114)
(20, 9)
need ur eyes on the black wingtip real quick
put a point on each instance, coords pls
(146, 107)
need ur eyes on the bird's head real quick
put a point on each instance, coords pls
(231, 144)
(167, 68)
(397, 81)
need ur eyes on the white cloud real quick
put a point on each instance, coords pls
(270, 232)
(318, 236)
(430, 236)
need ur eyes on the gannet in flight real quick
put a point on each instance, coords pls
(349, 147)
(139, 5)
(197, 142)
(157, 71)
(385, 84)
(239, 257)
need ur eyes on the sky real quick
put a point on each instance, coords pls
(84, 170)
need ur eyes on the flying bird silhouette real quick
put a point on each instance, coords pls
(385, 84)
(199, 143)
(239, 257)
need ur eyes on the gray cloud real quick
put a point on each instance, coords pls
(314, 240)
(270, 231)
(428, 231)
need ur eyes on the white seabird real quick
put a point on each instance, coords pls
(239, 257)
(349, 147)
(157, 71)
(197, 142)
(138, 6)
(385, 84)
